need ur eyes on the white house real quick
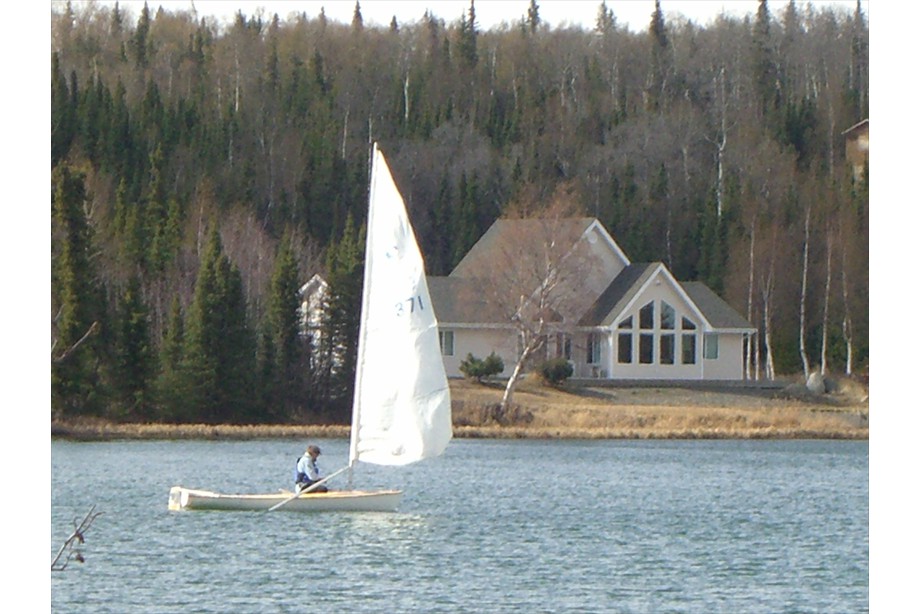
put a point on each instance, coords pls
(313, 300)
(627, 321)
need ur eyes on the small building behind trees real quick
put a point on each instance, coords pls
(857, 139)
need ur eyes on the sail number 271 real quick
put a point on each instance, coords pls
(410, 305)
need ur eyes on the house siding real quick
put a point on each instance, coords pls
(480, 343)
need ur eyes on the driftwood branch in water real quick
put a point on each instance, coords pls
(92, 329)
(69, 551)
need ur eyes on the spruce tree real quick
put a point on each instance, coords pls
(468, 35)
(169, 384)
(76, 386)
(284, 333)
(218, 362)
(62, 112)
(660, 65)
(345, 265)
(134, 365)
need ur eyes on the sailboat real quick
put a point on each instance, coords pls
(401, 407)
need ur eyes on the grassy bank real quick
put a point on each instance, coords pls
(576, 413)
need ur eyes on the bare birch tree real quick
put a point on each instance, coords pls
(766, 295)
(847, 320)
(827, 302)
(535, 282)
(802, 350)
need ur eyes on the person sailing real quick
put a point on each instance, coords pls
(308, 472)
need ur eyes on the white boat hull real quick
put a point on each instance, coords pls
(333, 501)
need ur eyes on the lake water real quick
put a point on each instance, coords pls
(490, 526)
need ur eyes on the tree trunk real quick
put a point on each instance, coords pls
(769, 370)
(827, 300)
(802, 352)
(750, 299)
(766, 293)
(847, 322)
(513, 380)
(723, 141)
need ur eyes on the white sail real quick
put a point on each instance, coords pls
(401, 410)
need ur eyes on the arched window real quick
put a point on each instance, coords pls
(668, 316)
(647, 316)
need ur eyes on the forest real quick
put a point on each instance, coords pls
(202, 173)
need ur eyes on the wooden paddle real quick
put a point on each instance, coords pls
(306, 490)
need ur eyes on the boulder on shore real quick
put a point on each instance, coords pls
(815, 383)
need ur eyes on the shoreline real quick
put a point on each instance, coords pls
(540, 412)
(841, 427)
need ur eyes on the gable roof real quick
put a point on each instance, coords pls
(720, 314)
(613, 301)
(487, 250)
(618, 294)
(459, 301)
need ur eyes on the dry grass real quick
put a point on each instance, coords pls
(96, 430)
(576, 413)
(642, 413)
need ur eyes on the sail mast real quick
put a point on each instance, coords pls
(362, 331)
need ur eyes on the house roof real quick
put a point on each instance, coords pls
(720, 314)
(486, 251)
(624, 288)
(621, 290)
(461, 301)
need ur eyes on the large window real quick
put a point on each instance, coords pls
(646, 348)
(647, 316)
(710, 346)
(666, 349)
(446, 337)
(688, 348)
(668, 316)
(594, 349)
(624, 348)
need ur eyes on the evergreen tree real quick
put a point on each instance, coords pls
(169, 381)
(466, 222)
(660, 65)
(357, 21)
(134, 366)
(606, 21)
(285, 339)
(533, 17)
(468, 35)
(62, 112)
(218, 359)
(345, 265)
(765, 74)
(76, 384)
(140, 43)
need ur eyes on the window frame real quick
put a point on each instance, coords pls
(666, 348)
(593, 348)
(688, 348)
(710, 346)
(624, 345)
(444, 335)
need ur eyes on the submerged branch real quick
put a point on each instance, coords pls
(69, 550)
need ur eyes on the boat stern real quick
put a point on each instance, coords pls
(178, 498)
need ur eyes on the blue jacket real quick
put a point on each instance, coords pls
(306, 471)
